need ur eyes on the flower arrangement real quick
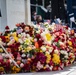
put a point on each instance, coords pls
(36, 48)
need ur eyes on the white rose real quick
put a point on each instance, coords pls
(56, 51)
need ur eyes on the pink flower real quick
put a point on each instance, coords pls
(21, 65)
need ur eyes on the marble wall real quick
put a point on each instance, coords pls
(14, 11)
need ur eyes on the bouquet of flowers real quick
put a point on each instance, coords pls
(36, 48)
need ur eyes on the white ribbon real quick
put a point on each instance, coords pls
(9, 55)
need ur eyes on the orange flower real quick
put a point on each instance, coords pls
(72, 31)
(18, 62)
(36, 45)
(7, 38)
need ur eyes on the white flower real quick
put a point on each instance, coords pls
(66, 57)
(47, 37)
(10, 60)
(38, 31)
(23, 51)
(21, 65)
(43, 48)
(47, 52)
(64, 52)
(35, 26)
(50, 50)
(39, 65)
(75, 34)
(20, 40)
(33, 47)
(19, 35)
(56, 51)
(23, 34)
(23, 55)
(73, 56)
(61, 43)
(47, 66)
(27, 41)
(51, 67)
(53, 23)
(28, 55)
(35, 39)
(6, 56)
(3, 54)
(27, 35)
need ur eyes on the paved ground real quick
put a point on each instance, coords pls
(71, 70)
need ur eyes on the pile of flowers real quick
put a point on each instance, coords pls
(36, 48)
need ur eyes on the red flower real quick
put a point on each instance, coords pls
(63, 40)
(7, 67)
(38, 36)
(27, 67)
(56, 40)
(3, 38)
(40, 42)
(15, 54)
(66, 27)
(7, 27)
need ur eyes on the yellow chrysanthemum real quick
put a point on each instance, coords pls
(56, 59)
(48, 36)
